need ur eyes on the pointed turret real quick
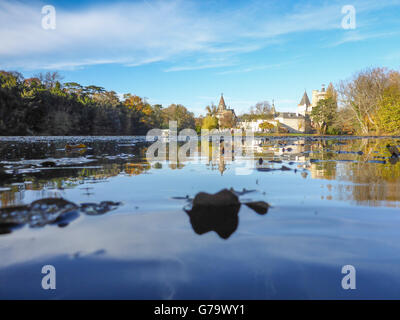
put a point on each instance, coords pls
(221, 105)
(305, 101)
(273, 110)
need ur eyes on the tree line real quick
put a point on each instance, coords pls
(367, 103)
(43, 105)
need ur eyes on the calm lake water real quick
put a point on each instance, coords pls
(334, 202)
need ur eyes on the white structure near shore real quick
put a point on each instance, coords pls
(293, 122)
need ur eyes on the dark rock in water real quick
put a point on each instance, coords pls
(264, 169)
(260, 207)
(48, 164)
(181, 198)
(241, 193)
(219, 212)
(394, 160)
(93, 209)
(282, 168)
(4, 175)
(12, 218)
(222, 198)
(275, 161)
(157, 165)
(49, 210)
(260, 161)
(215, 212)
(314, 160)
(393, 150)
(37, 214)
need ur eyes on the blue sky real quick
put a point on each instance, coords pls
(188, 52)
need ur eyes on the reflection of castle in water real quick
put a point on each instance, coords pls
(348, 163)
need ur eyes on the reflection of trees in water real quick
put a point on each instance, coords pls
(134, 169)
(373, 184)
(59, 179)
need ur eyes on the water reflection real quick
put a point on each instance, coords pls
(151, 248)
(49, 211)
(363, 170)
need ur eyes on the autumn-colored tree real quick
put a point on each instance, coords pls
(140, 108)
(266, 126)
(363, 95)
(210, 123)
(31, 108)
(227, 120)
(106, 98)
(178, 113)
(389, 110)
(198, 122)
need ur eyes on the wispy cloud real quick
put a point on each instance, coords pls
(139, 33)
(357, 36)
(256, 68)
(198, 67)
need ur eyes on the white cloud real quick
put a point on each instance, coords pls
(356, 36)
(198, 67)
(138, 33)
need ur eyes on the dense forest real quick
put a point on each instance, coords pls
(44, 106)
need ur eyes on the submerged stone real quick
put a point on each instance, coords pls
(260, 207)
(37, 214)
(215, 212)
(98, 208)
(48, 164)
(219, 212)
(51, 211)
(393, 150)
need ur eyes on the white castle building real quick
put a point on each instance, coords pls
(293, 122)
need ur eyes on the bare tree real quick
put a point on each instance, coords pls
(49, 79)
(362, 95)
(261, 108)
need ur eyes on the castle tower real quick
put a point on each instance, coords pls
(224, 114)
(273, 109)
(317, 96)
(303, 106)
(221, 105)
